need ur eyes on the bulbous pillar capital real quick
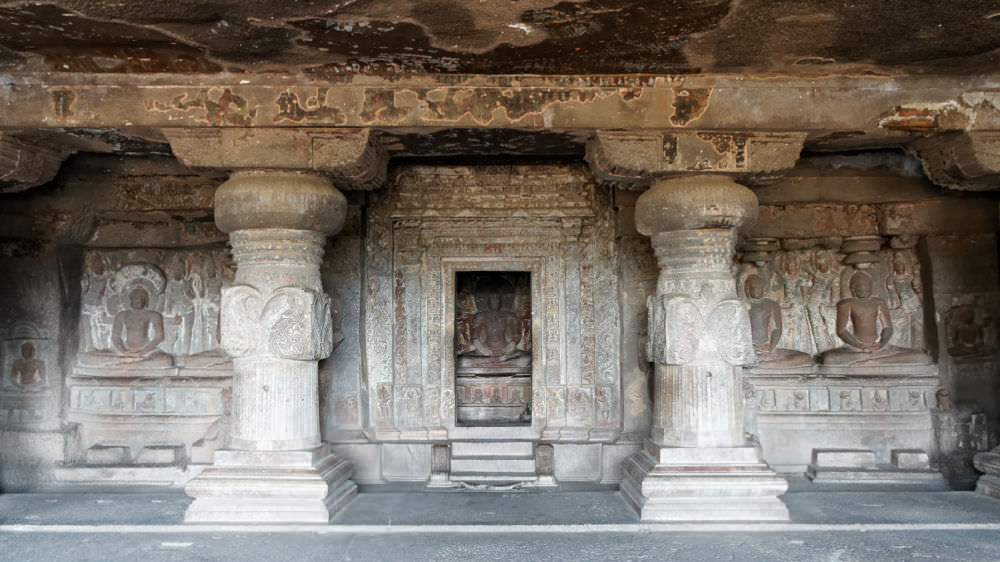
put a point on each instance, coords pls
(264, 199)
(695, 203)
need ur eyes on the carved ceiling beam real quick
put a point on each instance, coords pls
(829, 108)
(634, 156)
(353, 158)
(962, 160)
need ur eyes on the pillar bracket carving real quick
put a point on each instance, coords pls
(353, 157)
(967, 161)
(633, 156)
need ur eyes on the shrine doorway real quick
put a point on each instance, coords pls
(493, 355)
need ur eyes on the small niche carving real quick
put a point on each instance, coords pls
(493, 347)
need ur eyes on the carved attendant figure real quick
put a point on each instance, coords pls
(27, 372)
(765, 328)
(796, 290)
(94, 334)
(863, 323)
(178, 307)
(904, 284)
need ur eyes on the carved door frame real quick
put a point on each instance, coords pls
(449, 267)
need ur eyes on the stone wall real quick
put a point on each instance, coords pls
(385, 391)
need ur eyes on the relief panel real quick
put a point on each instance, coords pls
(435, 222)
(149, 348)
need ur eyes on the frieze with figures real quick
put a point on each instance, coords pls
(151, 306)
(856, 301)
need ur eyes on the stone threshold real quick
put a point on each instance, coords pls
(571, 528)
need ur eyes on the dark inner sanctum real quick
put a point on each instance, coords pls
(493, 348)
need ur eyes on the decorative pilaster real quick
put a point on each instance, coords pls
(275, 324)
(696, 465)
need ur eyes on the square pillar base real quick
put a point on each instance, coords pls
(989, 485)
(989, 464)
(271, 487)
(702, 484)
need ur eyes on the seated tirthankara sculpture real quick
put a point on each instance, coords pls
(136, 333)
(863, 323)
(765, 329)
(28, 372)
(495, 334)
(495, 331)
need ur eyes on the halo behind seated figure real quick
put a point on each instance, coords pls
(863, 323)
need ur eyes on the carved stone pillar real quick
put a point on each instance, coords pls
(696, 465)
(276, 325)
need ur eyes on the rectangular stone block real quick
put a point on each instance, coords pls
(845, 458)
(159, 455)
(491, 448)
(366, 458)
(406, 462)
(911, 459)
(614, 456)
(701, 455)
(816, 220)
(941, 216)
(577, 463)
(106, 455)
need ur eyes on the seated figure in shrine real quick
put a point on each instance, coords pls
(28, 372)
(495, 332)
(863, 323)
(495, 335)
(136, 333)
(765, 329)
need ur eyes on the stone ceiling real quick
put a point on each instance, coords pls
(535, 78)
(502, 36)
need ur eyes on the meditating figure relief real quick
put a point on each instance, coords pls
(863, 323)
(765, 328)
(136, 333)
(28, 372)
(495, 332)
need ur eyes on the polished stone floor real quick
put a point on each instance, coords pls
(845, 523)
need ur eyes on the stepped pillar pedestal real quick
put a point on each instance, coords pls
(275, 324)
(696, 464)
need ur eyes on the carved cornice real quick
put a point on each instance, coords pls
(632, 156)
(354, 158)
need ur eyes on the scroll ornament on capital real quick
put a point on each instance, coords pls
(681, 333)
(289, 323)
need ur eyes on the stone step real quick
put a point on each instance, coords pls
(493, 464)
(882, 474)
(492, 449)
(493, 477)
